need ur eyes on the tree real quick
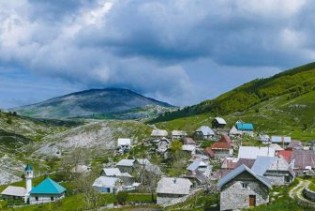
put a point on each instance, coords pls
(83, 183)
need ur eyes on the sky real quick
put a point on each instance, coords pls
(179, 51)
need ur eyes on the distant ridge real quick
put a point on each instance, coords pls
(99, 103)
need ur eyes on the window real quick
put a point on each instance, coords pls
(36, 198)
(52, 198)
(244, 185)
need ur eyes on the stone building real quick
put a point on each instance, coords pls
(242, 188)
(276, 169)
(170, 188)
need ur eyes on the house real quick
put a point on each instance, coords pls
(199, 170)
(190, 149)
(235, 132)
(204, 132)
(303, 161)
(156, 133)
(249, 152)
(189, 141)
(81, 169)
(209, 152)
(162, 145)
(111, 172)
(124, 144)
(223, 147)
(295, 145)
(218, 122)
(264, 138)
(126, 165)
(231, 163)
(178, 134)
(170, 188)
(148, 166)
(47, 191)
(242, 188)
(281, 140)
(276, 169)
(13, 192)
(104, 184)
(276, 147)
(245, 128)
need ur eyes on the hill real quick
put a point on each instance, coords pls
(281, 104)
(94, 103)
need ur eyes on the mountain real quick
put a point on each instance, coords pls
(94, 103)
(282, 104)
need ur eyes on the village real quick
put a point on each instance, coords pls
(230, 162)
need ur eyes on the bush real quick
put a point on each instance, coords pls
(122, 197)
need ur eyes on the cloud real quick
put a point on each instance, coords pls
(172, 50)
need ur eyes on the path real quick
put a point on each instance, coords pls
(297, 192)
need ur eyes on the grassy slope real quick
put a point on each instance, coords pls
(283, 104)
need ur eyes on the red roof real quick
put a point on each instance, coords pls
(221, 145)
(225, 139)
(209, 152)
(286, 154)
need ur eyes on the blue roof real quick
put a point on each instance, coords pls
(244, 126)
(262, 164)
(48, 187)
(28, 168)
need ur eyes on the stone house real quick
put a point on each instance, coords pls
(223, 147)
(170, 188)
(124, 144)
(204, 132)
(126, 165)
(276, 169)
(245, 128)
(242, 188)
(178, 134)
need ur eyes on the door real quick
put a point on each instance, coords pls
(252, 200)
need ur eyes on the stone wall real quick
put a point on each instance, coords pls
(234, 196)
(310, 195)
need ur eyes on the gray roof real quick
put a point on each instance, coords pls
(253, 152)
(239, 170)
(179, 133)
(125, 162)
(124, 142)
(111, 172)
(205, 130)
(144, 161)
(280, 139)
(194, 165)
(171, 185)
(262, 164)
(220, 120)
(14, 191)
(157, 132)
(103, 181)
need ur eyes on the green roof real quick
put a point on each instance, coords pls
(28, 168)
(48, 187)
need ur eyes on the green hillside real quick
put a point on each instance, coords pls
(282, 104)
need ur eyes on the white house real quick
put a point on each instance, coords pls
(170, 188)
(105, 184)
(124, 144)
